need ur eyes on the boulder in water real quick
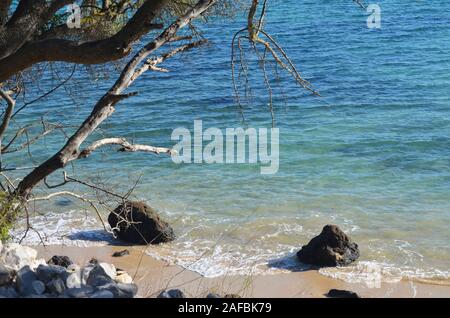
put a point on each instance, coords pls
(331, 247)
(137, 223)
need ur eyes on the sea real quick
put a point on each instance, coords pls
(371, 154)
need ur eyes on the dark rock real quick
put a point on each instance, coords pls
(82, 292)
(120, 290)
(63, 261)
(98, 277)
(331, 247)
(56, 286)
(127, 290)
(232, 296)
(8, 292)
(38, 296)
(46, 273)
(102, 294)
(6, 275)
(38, 287)
(173, 293)
(27, 282)
(121, 253)
(340, 293)
(143, 224)
(212, 295)
(93, 261)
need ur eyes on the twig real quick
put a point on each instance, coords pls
(68, 193)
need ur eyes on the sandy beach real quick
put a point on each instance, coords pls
(152, 276)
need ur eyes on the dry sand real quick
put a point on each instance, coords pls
(152, 276)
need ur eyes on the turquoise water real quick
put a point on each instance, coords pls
(371, 155)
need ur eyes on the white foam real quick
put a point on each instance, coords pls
(219, 256)
(374, 273)
(68, 228)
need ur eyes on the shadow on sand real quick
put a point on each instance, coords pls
(100, 236)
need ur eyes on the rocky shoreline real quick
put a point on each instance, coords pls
(94, 274)
(22, 274)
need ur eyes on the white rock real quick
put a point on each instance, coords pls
(85, 273)
(35, 264)
(16, 256)
(72, 268)
(124, 278)
(74, 280)
(109, 269)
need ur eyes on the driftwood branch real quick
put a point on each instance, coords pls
(126, 147)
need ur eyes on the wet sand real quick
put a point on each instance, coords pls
(152, 276)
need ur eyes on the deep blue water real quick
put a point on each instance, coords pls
(372, 154)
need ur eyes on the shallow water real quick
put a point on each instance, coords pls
(371, 155)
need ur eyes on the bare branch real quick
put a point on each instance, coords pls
(46, 94)
(46, 132)
(8, 113)
(151, 64)
(126, 147)
(68, 193)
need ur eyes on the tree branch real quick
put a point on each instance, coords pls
(4, 8)
(152, 63)
(105, 106)
(68, 193)
(29, 17)
(93, 52)
(8, 113)
(126, 147)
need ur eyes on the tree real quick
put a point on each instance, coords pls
(35, 32)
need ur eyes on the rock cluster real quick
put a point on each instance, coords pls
(22, 275)
(332, 247)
